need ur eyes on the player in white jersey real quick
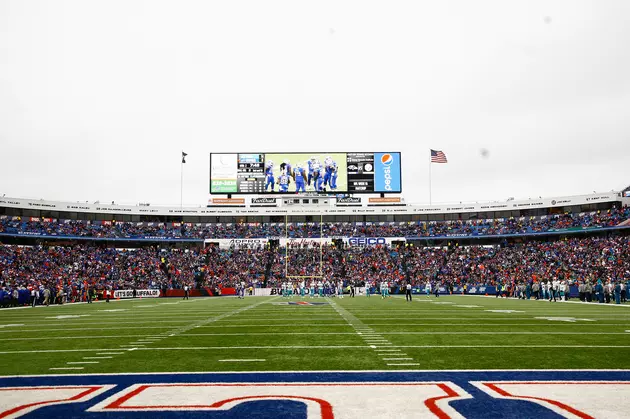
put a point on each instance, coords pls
(367, 288)
(427, 288)
(284, 289)
(302, 285)
(320, 286)
(340, 289)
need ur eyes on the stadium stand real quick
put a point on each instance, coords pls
(576, 248)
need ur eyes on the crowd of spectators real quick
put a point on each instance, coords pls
(77, 269)
(129, 230)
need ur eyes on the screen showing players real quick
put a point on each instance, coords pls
(259, 173)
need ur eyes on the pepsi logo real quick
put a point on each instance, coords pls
(387, 159)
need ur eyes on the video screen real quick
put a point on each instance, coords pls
(279, 173)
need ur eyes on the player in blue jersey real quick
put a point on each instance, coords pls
(330, 173)
(286, 166)
(270, 180)
(318, 180)
(313, 170)
(283, 182)
(299, 176)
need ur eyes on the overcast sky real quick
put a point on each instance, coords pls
(97, 99)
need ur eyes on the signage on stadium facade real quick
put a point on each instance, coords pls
(390, 200)
(349, 200)
(264, 202)
(139, 293)
(237, 243)
(371, 241)
(227, 201)
(326, 395)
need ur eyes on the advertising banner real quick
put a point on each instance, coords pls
(139, 293)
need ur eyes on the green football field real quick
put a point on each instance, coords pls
(267, 334)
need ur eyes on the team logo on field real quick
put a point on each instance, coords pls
(341, 395)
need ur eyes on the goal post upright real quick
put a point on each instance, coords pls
(321, 250)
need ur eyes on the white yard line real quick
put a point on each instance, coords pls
(242, 360)
(82, 362)
(98, 357)
(71, 337)
(411, 363)
(66, 368)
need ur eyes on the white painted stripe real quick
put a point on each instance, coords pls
(397, 359)
(82, 362)
(242, 360)
(405, 364)
(67, 368)
(110, 353)
(97, 357)
(68, 337)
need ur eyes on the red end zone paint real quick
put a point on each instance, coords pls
(330, 398)
(431, 403)
(325, 407)
(22, 409)
(551, 396)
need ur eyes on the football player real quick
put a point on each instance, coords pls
(270, 180)
(283, 182)
(330, 170)
(299, 176)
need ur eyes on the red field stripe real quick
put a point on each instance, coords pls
(553, 402)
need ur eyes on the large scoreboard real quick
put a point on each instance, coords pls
(259, 173)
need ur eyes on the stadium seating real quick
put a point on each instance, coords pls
(73, 268)
(143, 230)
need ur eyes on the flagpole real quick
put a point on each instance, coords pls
(181, 184)
(430, 183)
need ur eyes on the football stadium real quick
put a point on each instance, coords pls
(342, 209)
(523, 306)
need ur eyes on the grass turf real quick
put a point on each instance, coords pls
(228, 334)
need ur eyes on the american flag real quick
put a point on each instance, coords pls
(438, 156)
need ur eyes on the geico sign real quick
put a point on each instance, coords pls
(366, 241)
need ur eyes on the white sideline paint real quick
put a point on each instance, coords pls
(2, 326)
